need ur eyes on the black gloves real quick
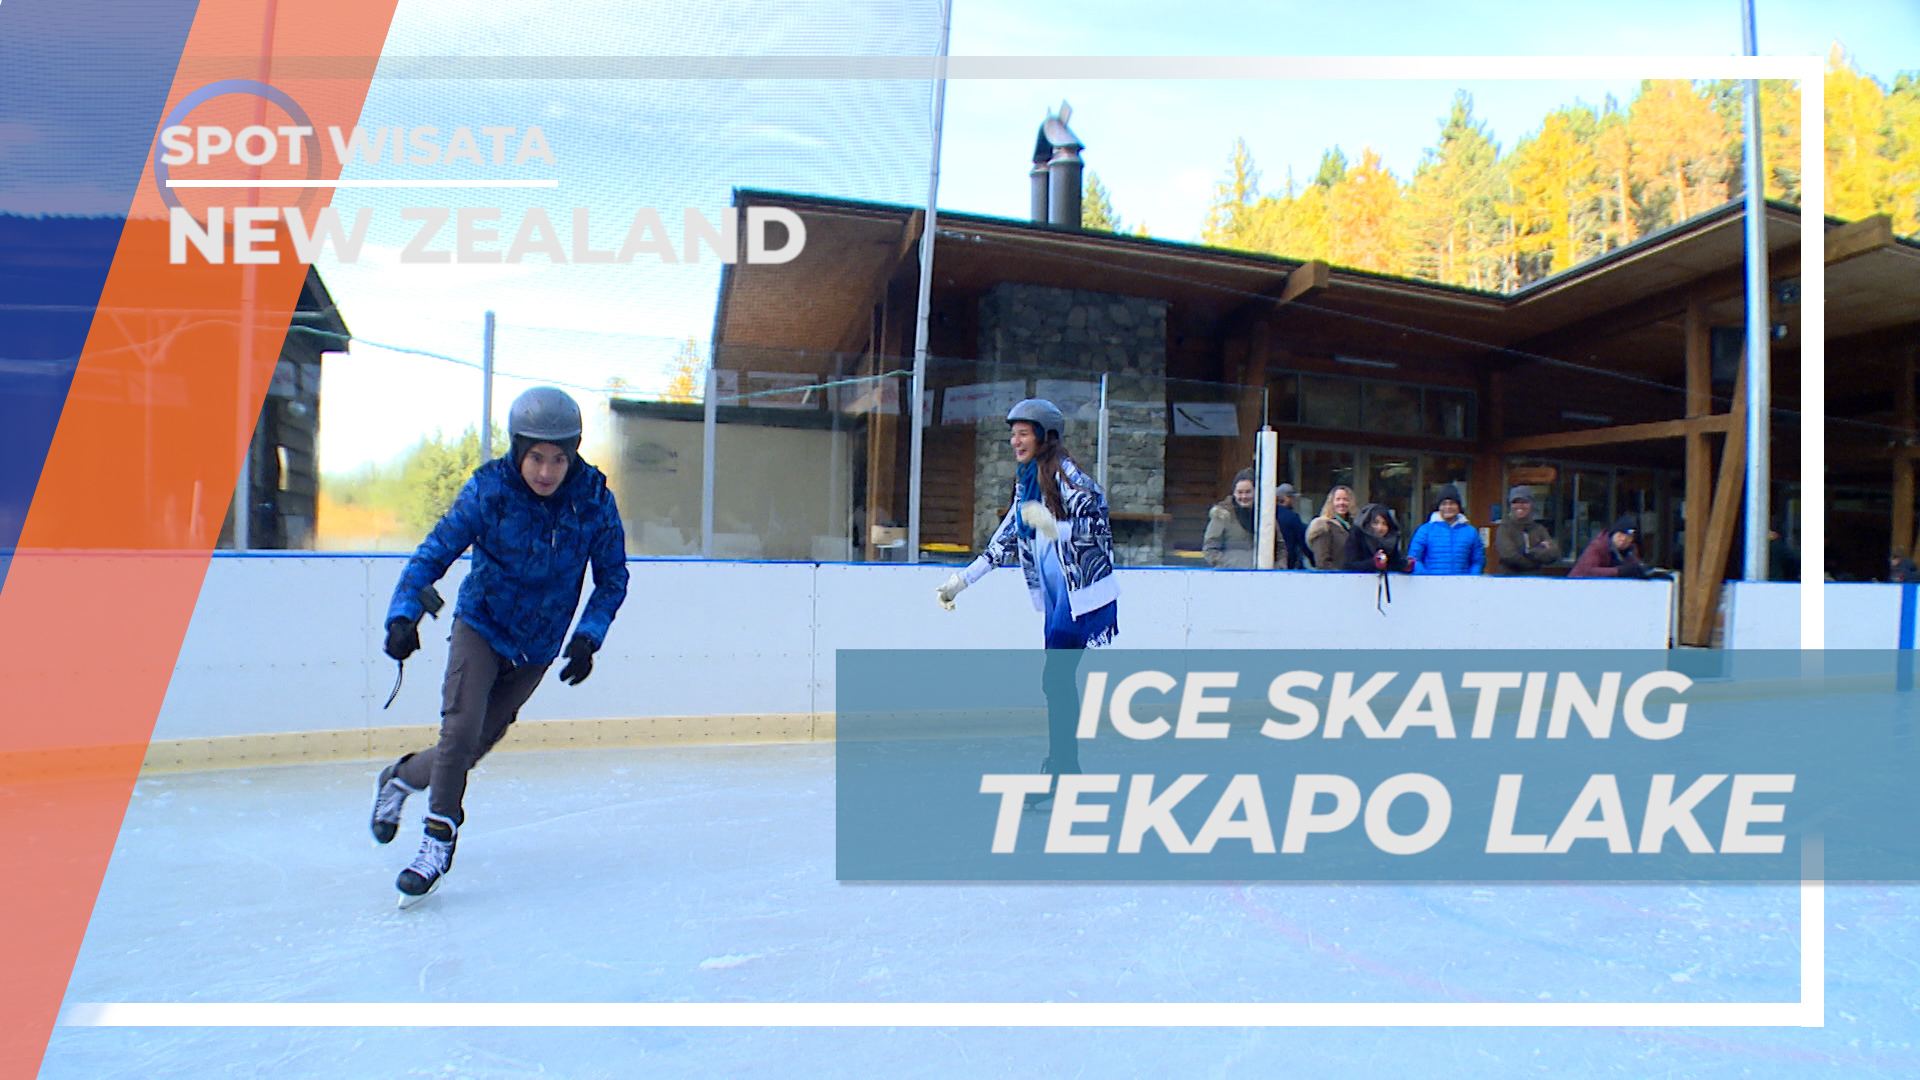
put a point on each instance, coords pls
(579, 654)
(403, 638)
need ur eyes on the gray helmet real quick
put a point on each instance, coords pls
(544, 414)
(1042, 414)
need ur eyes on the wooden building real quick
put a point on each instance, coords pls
(49, 260)
(1611, 388)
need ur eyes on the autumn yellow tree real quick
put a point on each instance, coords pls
(688, 375)
(1362, 214)
(1586, 182)
(1681, 151)
(1555, 203)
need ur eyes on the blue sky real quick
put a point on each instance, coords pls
(1158, 145)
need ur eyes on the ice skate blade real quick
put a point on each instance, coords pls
(407, 900)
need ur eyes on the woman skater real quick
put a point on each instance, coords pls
(1057, 532)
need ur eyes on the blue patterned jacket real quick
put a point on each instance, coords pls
(1085, 546)
(529, 559)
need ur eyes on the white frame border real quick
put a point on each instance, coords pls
(1809, 1011)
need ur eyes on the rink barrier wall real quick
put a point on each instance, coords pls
(282, 662)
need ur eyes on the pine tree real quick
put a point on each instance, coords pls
(1096, 206)
(1903, 153)
(1613, 166)
(1450, 223)
(433, 472)
(1333, 169)
(1233, 198)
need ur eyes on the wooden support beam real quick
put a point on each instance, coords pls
(1718, 541)
(1859, 238)
(1623, 433)
(1489, 466)
(1302, 280)
(1903, 459)
(1699, 490)
(1237, 454)
(1306, 278)
(856, 330)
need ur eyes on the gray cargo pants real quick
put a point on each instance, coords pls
(481, 697)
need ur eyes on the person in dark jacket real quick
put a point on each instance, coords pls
(536, 520)
(1374, 544)
(1296, 554)
(1447, 543)
(1614, 553)
(1901, 569)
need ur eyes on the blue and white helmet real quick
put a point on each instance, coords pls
(1042, 414)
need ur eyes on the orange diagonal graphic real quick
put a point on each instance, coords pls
(136, 483)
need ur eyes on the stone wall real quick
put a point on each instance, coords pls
(1057, 343)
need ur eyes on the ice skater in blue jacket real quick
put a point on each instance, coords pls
(1447, 543)
(536, 520)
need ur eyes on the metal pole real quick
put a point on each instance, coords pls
(1269, 453)
(918, 412)
(1105, 427)
(706, 461)
(249, 414)
(248, 419)
(1759, 328)
(486, 394)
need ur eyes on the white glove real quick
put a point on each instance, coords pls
(954, 586)
(1037, 517)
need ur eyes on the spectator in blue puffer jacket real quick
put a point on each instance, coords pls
(536, 520)
(1447, 543)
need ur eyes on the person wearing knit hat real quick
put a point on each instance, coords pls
(1522, 545)
(536, 520)
(1614, 553)
(1447, 543)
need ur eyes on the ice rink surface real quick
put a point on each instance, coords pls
(706, 874)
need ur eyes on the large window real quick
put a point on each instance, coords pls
(1345, 403)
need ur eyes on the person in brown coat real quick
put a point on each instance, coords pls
(1522, 545)
(1327, 536)
(1228, 544)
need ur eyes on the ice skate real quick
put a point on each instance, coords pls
(1040, 800)
(423, 875)
(389, 796)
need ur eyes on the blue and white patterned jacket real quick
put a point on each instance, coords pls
(530, 557)
(1085, 546)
